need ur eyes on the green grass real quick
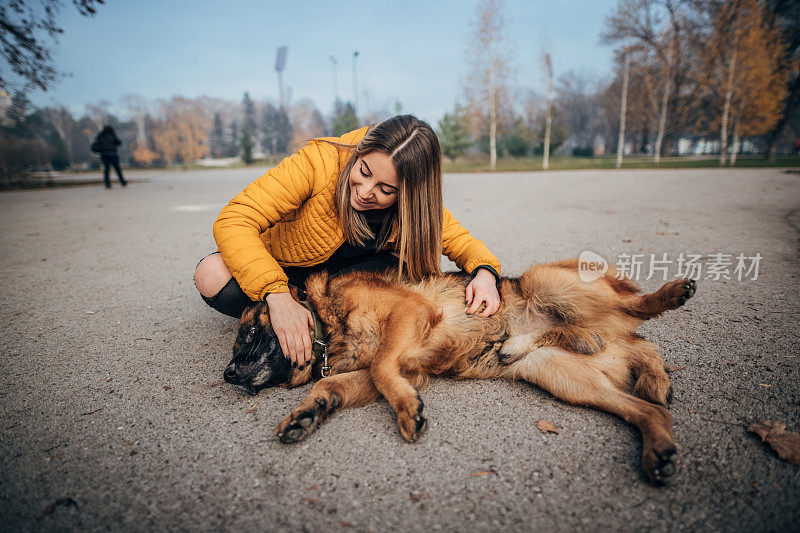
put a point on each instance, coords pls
(528, 164)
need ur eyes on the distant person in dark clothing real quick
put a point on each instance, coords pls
(796, 147)
(106, 144)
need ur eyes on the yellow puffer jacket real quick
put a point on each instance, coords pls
(287, 217)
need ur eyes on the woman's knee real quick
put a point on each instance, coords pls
(211, 275)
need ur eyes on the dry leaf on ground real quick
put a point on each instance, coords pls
(546, 426)
(785, 443)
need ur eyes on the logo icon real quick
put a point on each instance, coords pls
(591, 266)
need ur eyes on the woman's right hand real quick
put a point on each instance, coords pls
(291, 322)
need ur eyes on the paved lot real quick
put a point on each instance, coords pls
(113, 413)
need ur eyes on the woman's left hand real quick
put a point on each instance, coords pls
(483, 288)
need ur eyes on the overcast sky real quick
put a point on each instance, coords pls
(412, 52)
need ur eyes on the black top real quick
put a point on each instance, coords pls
(350, 257)
(106, 143)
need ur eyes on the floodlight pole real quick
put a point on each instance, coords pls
(355, 83)
(280, 64)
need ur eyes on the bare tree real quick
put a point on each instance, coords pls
(623, 106)
(138, 109)
(23, 44)
(487, 84)
(548, 124)
(657, 24)
(63, 124)
(307, 123)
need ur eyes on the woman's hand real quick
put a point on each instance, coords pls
(483, 288)
(291, 322)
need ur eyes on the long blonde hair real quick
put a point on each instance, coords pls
(415, 221)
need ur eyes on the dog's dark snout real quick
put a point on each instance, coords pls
(230, 374)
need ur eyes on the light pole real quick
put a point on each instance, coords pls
(333, 75)
(355, 83)
(280, 64)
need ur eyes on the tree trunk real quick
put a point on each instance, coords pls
(623, 108)
(548, 124)
(492, 114)
(735, 139)
(662, 119)
(726, 110)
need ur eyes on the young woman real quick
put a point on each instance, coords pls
(367, 200)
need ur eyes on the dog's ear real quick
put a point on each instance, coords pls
(261, 314)
(294, 292)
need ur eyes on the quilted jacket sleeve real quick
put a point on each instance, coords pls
(259, 206)
(462, 248)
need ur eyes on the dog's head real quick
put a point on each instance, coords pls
(258, 361)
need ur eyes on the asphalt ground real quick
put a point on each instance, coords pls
(113, 413)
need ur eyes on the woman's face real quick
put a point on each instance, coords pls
(373, 182)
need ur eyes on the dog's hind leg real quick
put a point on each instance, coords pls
(670, 296)
(652, 381)
(572, 338)
(350, 389)
(576, 380)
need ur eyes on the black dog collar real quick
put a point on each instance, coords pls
(319, 345)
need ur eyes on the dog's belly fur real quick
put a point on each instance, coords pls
(457, 345)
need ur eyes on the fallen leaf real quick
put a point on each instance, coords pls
(785, 443)
(662, 233)
(133, 452)
(764, 385)
(486, 473)
(253, 408)
(166, 387)
(546, 426)
(415, 497)
(66, 502)
(109, 380)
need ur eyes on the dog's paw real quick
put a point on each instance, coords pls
(304, 420)
(413, 424)
(660, 465)
(679, 291)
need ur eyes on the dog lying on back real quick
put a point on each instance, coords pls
(387, 337)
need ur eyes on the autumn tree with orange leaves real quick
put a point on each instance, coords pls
(743, 82)
(181, 135)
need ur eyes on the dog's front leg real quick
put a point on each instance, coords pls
(350, 389)
(399, 356)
